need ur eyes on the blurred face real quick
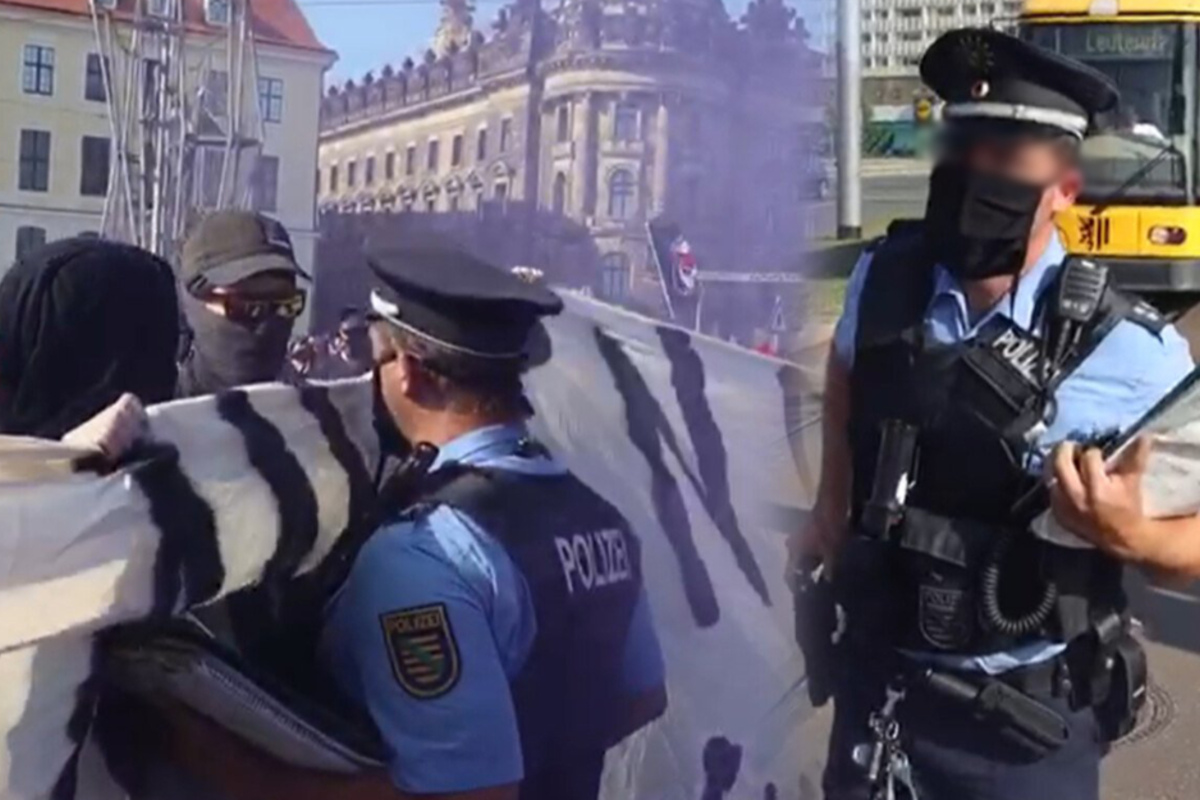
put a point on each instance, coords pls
(1036, 162)
(993, 199)
(395, 376)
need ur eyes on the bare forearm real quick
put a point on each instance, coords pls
(1176, 558)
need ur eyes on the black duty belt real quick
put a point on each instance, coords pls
(1011, 702)
(1047, 679)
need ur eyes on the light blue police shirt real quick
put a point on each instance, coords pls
(1123, 377)
(465, 738)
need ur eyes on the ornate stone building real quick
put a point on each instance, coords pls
(552, 140)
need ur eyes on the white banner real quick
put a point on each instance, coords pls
(685, 434)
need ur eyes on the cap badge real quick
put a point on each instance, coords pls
(980, 90)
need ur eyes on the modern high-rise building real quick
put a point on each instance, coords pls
(896, 32)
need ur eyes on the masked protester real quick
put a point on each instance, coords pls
(954, 370)
(495, 663)
(88, 333)
(241, 301)
(82, 322)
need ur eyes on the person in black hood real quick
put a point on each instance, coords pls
(89, 332)
(240, 299)
(83, 322)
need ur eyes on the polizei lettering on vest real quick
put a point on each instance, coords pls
(593, 560)
(1019, 352)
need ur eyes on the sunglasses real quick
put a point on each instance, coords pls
(239, 308)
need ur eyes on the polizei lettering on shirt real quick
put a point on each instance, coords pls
(593, 560)
(1019, 352)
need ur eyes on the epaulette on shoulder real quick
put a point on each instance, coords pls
(1138, 311)
(902, 232)
(904, 228)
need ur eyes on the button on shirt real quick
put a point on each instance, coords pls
(1127, 373)
(467, 737)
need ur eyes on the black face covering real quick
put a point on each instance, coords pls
(81, 322)
(977, 224)
(225, 354)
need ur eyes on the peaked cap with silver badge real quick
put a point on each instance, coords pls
(459, 302)
(987, 75)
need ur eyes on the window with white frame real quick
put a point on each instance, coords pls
(37, 77)
(614, 276)
(560, 193)
(34, 172)
(160, 8)
(29, 238)
(93, 84)
(625, 122)
(216, 12)
(622, 194)
(270, 99)
(266, 184)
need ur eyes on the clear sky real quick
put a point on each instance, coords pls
(370, 33)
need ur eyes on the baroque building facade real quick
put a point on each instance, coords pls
(553, 140)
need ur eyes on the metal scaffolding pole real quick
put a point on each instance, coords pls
(850, 122)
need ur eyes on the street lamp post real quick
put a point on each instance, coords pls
(850, 122)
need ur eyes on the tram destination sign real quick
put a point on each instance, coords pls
(1120, 42)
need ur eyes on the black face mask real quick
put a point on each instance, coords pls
(225, 354)
(977, 224)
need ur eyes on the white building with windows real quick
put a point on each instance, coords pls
(897, 32)
(56, 140)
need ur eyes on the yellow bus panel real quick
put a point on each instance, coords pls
(1112, 8)
(1132, 231)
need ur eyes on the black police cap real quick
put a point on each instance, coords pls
(988, 76)
(459, 302)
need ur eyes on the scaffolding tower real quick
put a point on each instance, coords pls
(184, 116)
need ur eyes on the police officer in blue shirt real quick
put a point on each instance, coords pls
(977, 660)
(497, 632)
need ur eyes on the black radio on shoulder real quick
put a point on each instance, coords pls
(1081, 289)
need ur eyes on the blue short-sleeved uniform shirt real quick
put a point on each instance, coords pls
(464, 737)
(1115, 385)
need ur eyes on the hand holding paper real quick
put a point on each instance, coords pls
(1102, 503)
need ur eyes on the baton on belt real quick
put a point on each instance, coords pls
(1019, 717)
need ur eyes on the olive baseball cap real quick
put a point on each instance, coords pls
(230, 246)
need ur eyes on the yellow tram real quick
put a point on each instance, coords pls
(1141, 213)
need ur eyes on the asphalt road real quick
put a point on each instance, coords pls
(885, 197)
(1161, 759)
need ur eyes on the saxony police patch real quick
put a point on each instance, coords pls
(423, 651)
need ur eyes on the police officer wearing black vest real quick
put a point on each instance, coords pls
(976, 659)
(496, 630)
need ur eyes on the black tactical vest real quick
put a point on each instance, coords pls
(921, 586)
(583, 567)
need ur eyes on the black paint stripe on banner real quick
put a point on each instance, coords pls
(648, 429)
(712, 459)
(315, 400)
(188, 563)
(294, 496)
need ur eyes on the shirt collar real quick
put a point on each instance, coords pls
(482, 444)
(1029, 288)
